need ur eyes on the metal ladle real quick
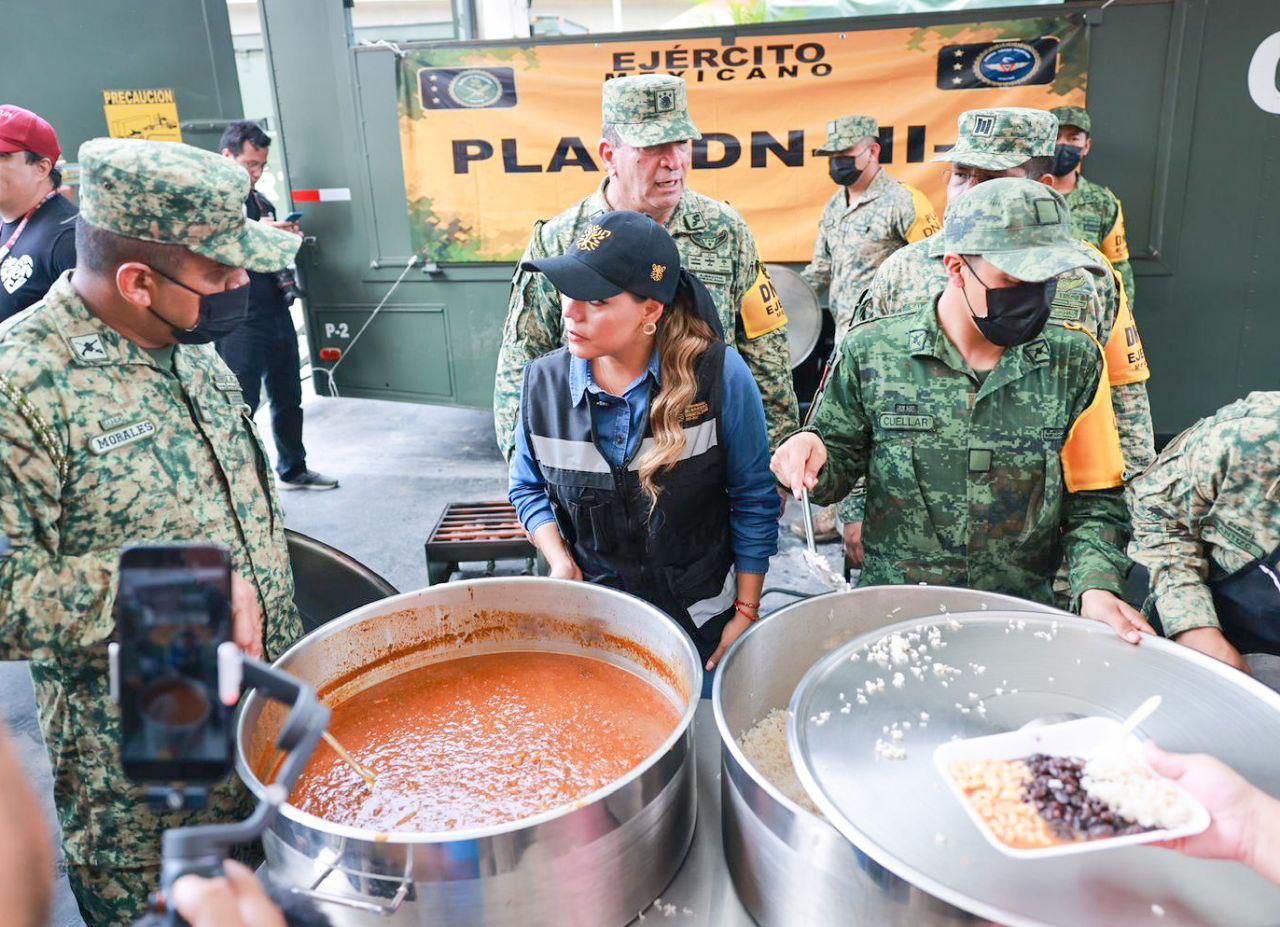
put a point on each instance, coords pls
(816, 562)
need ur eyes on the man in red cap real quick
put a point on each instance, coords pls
(37, 234)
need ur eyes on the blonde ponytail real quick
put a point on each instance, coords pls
(682, 340)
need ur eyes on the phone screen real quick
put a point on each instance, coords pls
(172, 610)
(293, 217)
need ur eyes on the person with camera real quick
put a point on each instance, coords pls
(265, 347)
(120, 425)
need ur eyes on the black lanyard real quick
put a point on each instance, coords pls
(8, 245)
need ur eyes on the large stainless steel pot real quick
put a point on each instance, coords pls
(594, 864)
(1022, 669)
(790, 867)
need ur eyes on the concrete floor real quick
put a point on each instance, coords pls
(399, 464)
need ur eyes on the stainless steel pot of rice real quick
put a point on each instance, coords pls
(595, 862)
(789, 866)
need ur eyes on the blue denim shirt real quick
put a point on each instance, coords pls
(619, 423)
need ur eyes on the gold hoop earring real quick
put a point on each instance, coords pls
(650, 328)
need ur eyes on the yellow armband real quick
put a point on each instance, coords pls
(1091, 455)
(1125, 355)
(926, 222)
(762, 310)
(1126, 358)
(1116, 245)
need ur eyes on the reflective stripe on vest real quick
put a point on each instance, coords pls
(584, 457)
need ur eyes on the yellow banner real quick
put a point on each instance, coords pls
(498, 137)
(150, 114)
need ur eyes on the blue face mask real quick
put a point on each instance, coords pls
(220, 313)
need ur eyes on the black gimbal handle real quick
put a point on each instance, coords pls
(200, 850)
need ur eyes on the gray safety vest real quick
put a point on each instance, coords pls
(680, 555)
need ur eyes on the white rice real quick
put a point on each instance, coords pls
(1123, 781)
(765, 746)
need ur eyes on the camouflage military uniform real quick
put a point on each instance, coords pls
(915, 276)
(1209, 505)
(103, 446)
(854, 237)
(1096, 217)
(714, 243)
(1096, 214)
(968, 476)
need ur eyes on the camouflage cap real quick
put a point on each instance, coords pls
(1021, 226)
(847, 131)
(175, 194)
(1002, 138)
(1076, 116)
(649, 109)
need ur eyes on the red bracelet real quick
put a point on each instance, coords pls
(742, 609)
(746, 604)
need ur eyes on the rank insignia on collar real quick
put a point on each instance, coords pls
(918, 339)
(1038, 351)
(88, 348)
(694, 221)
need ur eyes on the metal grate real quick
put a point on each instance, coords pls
(475, 531)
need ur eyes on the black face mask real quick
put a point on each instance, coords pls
(1015, 314)
(844, 170)
(220, 313)
(1066, 158)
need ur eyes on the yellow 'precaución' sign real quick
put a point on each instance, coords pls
(149, 114)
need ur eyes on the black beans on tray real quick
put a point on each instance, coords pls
(1058, 794)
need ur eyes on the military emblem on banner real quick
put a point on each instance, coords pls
(1011, 63)
(467, 88)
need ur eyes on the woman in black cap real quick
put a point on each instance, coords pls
(642, 459)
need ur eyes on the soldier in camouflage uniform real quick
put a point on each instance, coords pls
(1012, 141)
(1206, 523)
(866, 220)
(112, 432)
(986, 435)
(646, 147)
(1096, 214)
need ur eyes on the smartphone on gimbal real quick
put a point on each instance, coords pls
(172, 611)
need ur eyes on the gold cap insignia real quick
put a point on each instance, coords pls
(659, 271)
(592, 237)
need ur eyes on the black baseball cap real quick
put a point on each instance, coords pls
(617, 252)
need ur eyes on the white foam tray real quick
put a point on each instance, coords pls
(1070, 738)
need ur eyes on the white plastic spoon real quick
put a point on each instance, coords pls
(1141, 714)
(1115, 745)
